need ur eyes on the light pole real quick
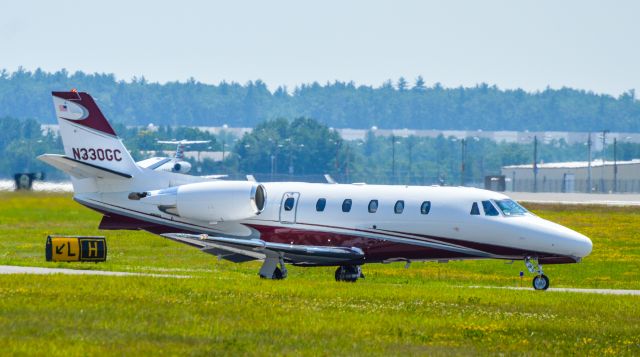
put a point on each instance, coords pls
(288, 140)
(535, 163)
(604, 156)
(463, 147)
(410, 148)
(615, 165)
(393, 158)
(224, 140)
(589, 184)
(273, 159)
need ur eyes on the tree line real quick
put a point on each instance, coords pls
(394, 104)
(305, 149)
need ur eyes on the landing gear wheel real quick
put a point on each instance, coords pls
(273, 268)
(277, 274)
(348, 273)
(541, 282)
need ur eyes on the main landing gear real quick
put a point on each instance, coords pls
(349, 273)
(271, 270)
(540, 281)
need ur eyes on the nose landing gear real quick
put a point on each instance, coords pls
(540, 281)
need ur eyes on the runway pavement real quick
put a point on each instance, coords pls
(10, 269)
(570, 290)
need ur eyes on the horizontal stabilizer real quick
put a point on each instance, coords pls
(79, 169)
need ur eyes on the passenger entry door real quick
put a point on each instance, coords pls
(288, 207)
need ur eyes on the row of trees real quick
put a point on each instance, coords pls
(280, 149)
(26, 94)
(304, 149)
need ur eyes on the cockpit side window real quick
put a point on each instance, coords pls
(475, 211)
(511, 208)
(489, 210)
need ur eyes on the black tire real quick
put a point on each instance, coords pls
(277, 274)
(541, 282)
(348, 273)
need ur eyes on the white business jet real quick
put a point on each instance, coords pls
(304, 224)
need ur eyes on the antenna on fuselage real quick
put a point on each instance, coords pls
(329, 179)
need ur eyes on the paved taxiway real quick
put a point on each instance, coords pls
(10, 269)
(570, 290)
(609, 199)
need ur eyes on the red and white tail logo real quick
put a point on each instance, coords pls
(82, 109)
(87, 135)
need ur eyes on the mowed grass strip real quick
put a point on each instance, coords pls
(27, 218)
(225, 309)
(79, 315)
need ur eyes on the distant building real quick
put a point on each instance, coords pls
(621, 176)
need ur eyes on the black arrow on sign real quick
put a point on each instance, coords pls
(59, 249)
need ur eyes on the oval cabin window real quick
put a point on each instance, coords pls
(346, 205)
(399, 207)
(425, 207)
(373, 206)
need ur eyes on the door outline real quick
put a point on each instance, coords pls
(289, 217)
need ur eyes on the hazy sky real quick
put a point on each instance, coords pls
(593, 45)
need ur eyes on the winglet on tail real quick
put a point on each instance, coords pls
(80, 108)
(87, 135)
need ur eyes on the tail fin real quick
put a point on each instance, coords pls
(87, 135)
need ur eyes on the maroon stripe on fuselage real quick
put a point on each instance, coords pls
(489, 248)
(375, 250)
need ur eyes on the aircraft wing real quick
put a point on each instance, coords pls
(153, 163)
(240, 250)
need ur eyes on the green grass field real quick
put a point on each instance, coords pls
(224, 308)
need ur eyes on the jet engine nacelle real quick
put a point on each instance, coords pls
(181, 167)
(214, 201)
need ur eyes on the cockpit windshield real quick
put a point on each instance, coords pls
(511, 208)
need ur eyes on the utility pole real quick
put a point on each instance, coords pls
(393, 158)
(589, 184)
(410, 147)
(273, 162)
(604, 157)
(463, 144)
(535, 164)
(223, 135)
(615, 165)
(346, 166)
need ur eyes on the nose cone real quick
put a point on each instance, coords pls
(570, 241)
(581, 243)
(554, 238)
